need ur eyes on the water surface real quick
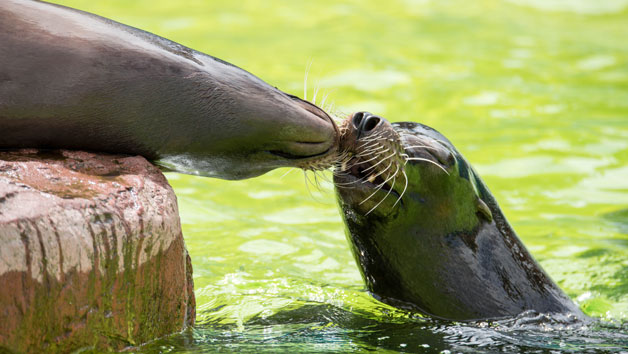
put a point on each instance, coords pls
(533, 93)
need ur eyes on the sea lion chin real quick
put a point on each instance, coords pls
(427, 233)
(74, 80)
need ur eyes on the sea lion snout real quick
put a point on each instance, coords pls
(308, 137)
(318, 126)
(370, 174)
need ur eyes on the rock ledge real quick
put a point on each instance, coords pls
(91, 253)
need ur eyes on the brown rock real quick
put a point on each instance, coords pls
(91, 253)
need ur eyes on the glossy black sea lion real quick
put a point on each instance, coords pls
(74, 80)
(426, 232)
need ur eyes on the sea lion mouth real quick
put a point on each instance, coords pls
(305, 146)
(360, 171)
(324, 156)
(312, 162)
(324, 150)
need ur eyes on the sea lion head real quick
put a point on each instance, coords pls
(408, 199)
(387, 170)
(103, 86)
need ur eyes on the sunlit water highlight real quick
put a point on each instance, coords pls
(533, 93)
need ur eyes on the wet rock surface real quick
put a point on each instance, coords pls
(91, 252)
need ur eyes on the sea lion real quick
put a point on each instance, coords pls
(426, 232)
(74, 80)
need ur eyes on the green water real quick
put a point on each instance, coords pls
(534, 93)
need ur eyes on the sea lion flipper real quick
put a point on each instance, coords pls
(483, 210)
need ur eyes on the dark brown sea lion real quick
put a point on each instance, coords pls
(426, 232)
(74, 80)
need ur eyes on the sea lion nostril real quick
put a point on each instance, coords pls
(370, 123)
(357, 119)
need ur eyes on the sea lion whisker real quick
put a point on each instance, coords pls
(347, 173)
(368, 147)
(365, 142)
(315, 93)
(341, 173)
(307, 71)
(423, 138)
(384, 159)
(372, 150)
(345, 187)
(426, 160)
(369, 143)
(325, 99)
(331, 108)
(380, 186)
(348, 183)
(404, 188)
(404, 136)
(442, 142)
(371, 137)
(327, 107)
(445, 145)
(360, 180)
(324, 177)
(358, 162)
(284, 175)
(371, 159)
(343, 165)
(371, 177)
(349, 166)
(419, 146)
(341, 160)
(307, 179)
(387, 194)
(317, 183)
(337, 120)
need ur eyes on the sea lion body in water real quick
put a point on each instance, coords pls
(73, 80)
(426, 232)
